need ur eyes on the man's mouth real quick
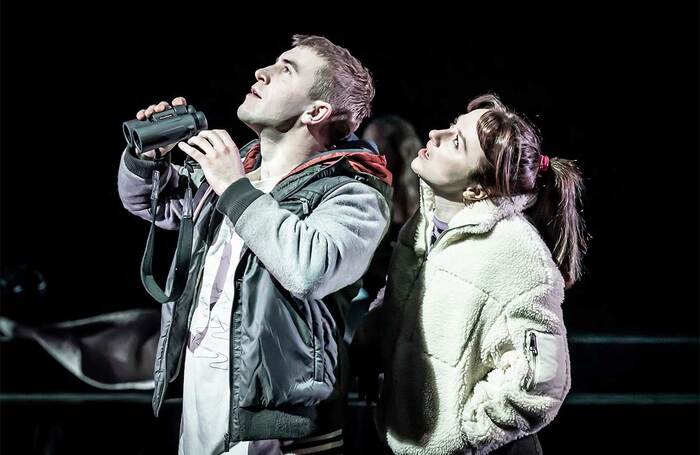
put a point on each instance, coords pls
(423, 153)
(255, 93)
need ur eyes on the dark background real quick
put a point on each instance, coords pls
(616, 90)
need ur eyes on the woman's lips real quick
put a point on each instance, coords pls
(423, 153)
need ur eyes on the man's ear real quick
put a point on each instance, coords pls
(316, 113)
(474, 193)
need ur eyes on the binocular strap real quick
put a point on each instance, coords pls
(182, 252)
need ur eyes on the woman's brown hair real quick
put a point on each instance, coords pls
(516, 165)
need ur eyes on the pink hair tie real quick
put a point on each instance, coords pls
(544, 163)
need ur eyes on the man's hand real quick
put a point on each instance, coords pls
(144, 114)
(221, 160)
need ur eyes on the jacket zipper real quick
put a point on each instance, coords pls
(306, 206)
(235, 320)
(533, 353)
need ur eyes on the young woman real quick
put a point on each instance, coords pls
(470, 334)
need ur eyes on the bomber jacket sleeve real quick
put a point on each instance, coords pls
(527, 350)
(134, 184)
(317, 255)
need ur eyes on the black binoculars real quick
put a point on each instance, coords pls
(171, 126)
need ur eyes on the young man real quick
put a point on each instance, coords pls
(281, 238)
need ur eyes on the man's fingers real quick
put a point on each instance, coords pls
(214, 139)
(150, 110)
(203, 144)
(160, 107)
(144, 114)
(191, 151)
(226, 139)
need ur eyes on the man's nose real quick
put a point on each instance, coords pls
(262, 75)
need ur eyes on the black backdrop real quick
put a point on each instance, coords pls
(617, 91)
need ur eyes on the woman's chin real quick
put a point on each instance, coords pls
(416, 165)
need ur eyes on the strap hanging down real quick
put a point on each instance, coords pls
(182, 252)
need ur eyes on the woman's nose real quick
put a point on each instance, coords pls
(434, 136)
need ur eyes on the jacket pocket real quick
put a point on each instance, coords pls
(546, 355)
(300, 206)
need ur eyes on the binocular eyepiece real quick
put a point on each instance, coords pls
(171, 126)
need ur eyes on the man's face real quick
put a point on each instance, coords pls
(451, 155)
(281, 92)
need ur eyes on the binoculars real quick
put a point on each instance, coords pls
(171, 126)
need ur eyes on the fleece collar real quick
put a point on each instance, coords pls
(477, 217)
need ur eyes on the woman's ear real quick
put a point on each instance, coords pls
(474, 193)
(316, 113)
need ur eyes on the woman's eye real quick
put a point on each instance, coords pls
(286, 69)
(456, 142)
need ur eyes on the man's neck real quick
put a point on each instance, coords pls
(282, 152)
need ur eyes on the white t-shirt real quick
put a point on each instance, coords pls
(206, 394)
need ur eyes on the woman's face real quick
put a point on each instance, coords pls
(451, 156)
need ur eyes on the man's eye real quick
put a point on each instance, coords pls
(456, 142)
(286, 69)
